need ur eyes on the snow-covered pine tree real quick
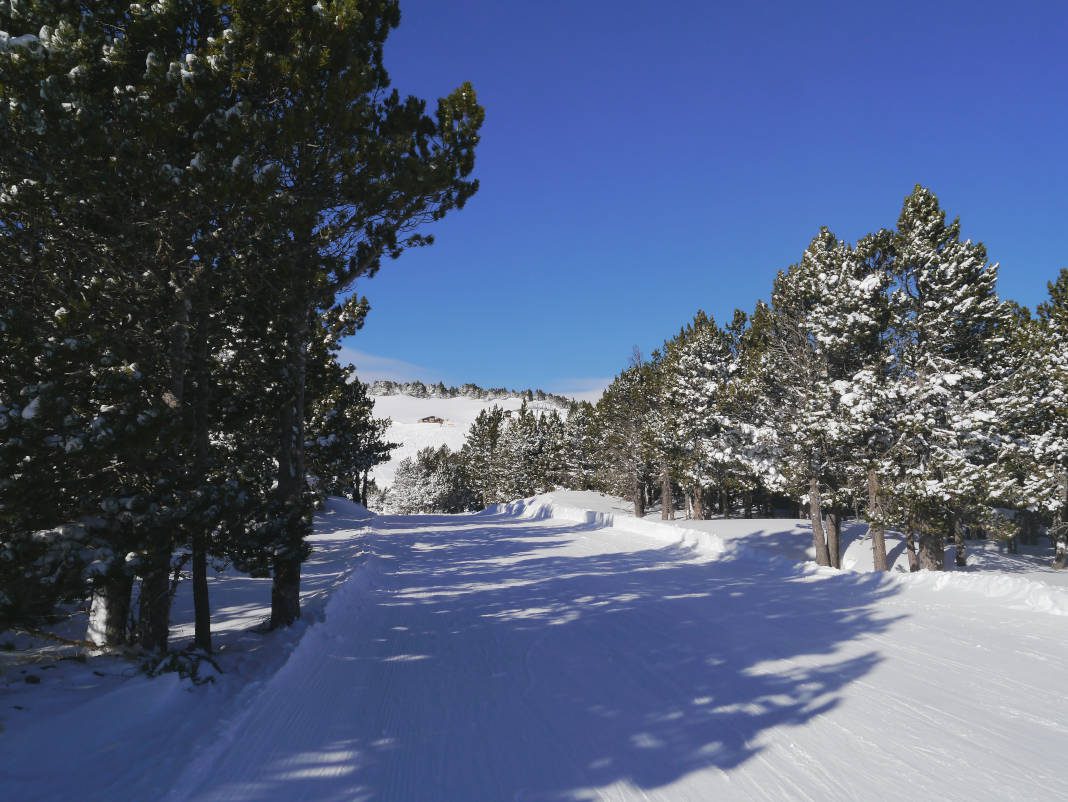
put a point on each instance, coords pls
(481, 455)
(697, 370)
(1031, 471)
(946, 319)
(522, 447)
(435, 480)
(866, 401)
(624, 434)
(580, 447)
(1050, 448)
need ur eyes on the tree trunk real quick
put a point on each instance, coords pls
(960, 557)
(154, 609)
(109, 610)
(876, 529)
(910, 549)
(285, 584)
(667, 505)
(638, 495)
(815, 515)
(833, 530)
(698, 505)
(285, 591)
(200, 541)
(932, 552)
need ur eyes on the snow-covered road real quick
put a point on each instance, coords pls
(494, 657)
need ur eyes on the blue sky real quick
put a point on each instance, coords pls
(642, 160)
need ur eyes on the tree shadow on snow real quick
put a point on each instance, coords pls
(496, 665)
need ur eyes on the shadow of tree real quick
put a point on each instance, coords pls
(516, 659)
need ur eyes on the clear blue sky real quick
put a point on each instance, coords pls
(642, 160)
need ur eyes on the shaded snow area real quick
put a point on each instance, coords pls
(558, 649)
(407, 412)
(100, 730)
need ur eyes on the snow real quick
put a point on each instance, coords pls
(32, 408)
(406, 411)
(557, 648)
(120, 735)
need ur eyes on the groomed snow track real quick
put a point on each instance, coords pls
(536, 651)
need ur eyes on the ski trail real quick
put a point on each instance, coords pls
(494, 657)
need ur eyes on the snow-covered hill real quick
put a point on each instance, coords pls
(407, 414)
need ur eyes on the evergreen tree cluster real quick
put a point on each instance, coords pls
(885, 378)
(189, 191)
(506, 455)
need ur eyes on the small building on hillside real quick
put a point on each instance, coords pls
(431, 419)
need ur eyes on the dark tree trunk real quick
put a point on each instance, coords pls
(667, 506)
(110, 610)
(876, 529)
(932, 551)
(154, 607)
(833, 531)
(815, 515)
(910, 549)
(748, 499)
(698, 505)
(201, 602)
(285, 591)
(285, 585)
(154, 610)
(200, 541)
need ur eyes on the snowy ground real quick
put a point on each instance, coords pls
(406, 412)
(118, 735)
(555, 650)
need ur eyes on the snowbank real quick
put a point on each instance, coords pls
(1018, 581)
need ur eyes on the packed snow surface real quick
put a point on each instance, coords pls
(558, 649)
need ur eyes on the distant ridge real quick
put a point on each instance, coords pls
(417, 389)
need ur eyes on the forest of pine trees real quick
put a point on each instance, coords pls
(886, 379)
(196, 189)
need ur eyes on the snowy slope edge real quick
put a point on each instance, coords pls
(345, 594)
(1018, 592)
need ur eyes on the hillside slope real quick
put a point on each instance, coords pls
(406, 413)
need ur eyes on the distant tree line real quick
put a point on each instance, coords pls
(417, 389)
(188, 192)
(885, 379)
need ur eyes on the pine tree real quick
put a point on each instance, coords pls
(580, 448)
(482, 458)
(623, 415)
(353, 169)
(947, 350)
